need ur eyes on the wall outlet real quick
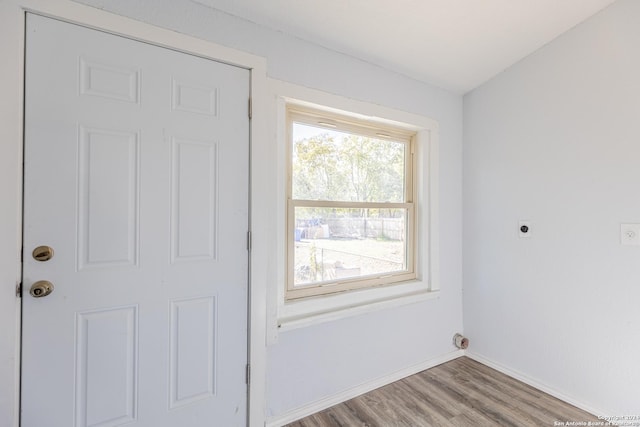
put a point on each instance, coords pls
(524, 229)
(630, 234)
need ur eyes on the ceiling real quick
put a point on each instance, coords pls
(454, 44)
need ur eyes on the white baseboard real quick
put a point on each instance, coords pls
(534, 383)
(327, 402)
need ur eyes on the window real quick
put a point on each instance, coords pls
(351, 212)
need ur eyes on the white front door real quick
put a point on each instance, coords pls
(136, 175)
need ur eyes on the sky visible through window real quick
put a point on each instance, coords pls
(304, 131)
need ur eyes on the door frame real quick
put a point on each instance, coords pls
(12, 47)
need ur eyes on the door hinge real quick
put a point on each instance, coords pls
(248, 374)
(248, 240)
(19, 290)
(250, 109)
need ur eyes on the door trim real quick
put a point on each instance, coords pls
(12, 44)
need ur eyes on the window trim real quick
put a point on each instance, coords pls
(282, 315)
(359, 126)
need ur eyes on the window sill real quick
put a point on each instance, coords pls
(313, 311)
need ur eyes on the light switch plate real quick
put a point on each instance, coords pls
(630, 234)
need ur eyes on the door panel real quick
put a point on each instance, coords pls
(136, 174)
(106, 367)
(108, 177)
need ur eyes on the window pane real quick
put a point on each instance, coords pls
(334, 165)
(337, 243)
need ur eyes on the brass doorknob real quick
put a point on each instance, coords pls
(41, 288)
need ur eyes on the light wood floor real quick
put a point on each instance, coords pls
(461, 392)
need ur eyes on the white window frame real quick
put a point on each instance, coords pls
(284, 315)
(350, 125)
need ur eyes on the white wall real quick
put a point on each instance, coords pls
(312, 363)
(10, 226)
(555, 140)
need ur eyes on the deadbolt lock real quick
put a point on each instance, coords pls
(42, 253)
(41, 288)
